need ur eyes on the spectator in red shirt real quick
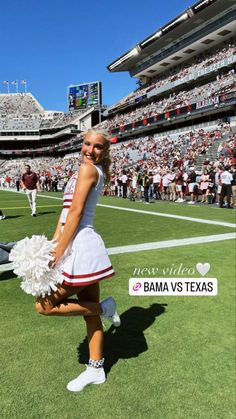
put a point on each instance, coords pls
(29, 183)
(8, 181)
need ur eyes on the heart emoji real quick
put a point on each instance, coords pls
(203, 268)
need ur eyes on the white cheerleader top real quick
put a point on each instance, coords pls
(90, 205)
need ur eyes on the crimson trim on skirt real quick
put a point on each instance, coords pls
(84, 276)
(77, 284)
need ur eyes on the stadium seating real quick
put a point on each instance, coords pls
(224, 83)
(177, 73)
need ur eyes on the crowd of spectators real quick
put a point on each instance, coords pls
(175, 185)
(154, 167)
(21, 111)
(196, 63)
(19, 104)
(10, 123)
(166, 169)
(60, 120)
(224, 83)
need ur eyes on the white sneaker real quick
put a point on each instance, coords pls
(90, 376)
(109, 311)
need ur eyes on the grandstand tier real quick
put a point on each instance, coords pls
(24, 120)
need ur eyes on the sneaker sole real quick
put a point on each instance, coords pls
(77, 391)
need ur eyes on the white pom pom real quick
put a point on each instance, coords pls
(30, 258)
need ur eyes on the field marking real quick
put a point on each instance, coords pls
(179, 217)
(170, 243)
(24, 194)
(38, 206)
(49, 197)
(160, 214)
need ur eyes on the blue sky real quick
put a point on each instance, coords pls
(54, 43)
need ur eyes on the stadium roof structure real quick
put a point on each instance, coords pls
(210, 21)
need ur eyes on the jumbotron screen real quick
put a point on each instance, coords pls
(82, 96)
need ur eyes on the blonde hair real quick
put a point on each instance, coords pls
(106, 162)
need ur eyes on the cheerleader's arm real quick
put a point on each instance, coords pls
(58, 231)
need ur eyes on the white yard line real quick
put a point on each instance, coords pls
(178, 217)
(170, 243)
(49, 197)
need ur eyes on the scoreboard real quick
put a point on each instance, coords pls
(82, 96)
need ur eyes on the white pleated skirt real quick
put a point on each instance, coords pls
(87, 260)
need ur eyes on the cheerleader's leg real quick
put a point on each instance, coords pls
(59, 303)
(93, 323)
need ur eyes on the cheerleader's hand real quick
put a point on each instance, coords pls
(56, 254)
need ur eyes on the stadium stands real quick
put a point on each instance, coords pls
(19, 104)
(179, 73)
(223, 84)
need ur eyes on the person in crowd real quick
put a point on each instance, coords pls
(124, 182)
(226, 188)
(191, 181)
(42, 180)
(139, 185)
(30, 183)
(120, 190)
(145, 184)
(184, 186)
(48, 183)
(151, 187)
(156, 184)
(179, 185)
(17, 182)
(112, 186)
(165, 183)
(133, 186)
(83, 257)
(210, 193)
(204, 185)
(172, 186)
(217, 184)
(54, 183)
(8, 181)
(233, 184)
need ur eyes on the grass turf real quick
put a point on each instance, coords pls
(173, 357)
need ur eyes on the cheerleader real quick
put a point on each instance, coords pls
(82, 256)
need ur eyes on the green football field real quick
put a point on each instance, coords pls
(173, 357)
